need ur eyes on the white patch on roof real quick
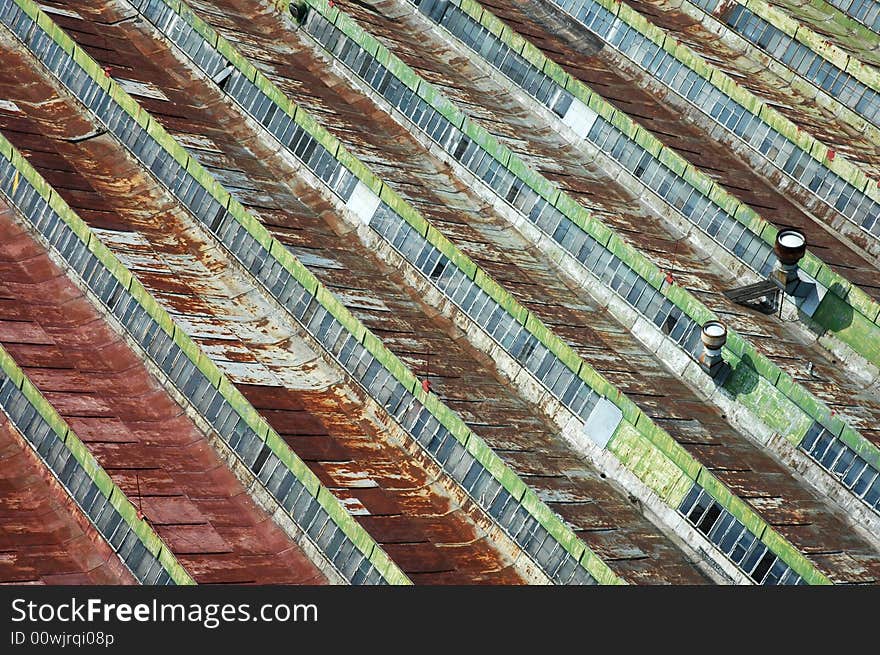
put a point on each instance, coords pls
(8, 105)
(354, 506)
(49, 9)
(142, 89)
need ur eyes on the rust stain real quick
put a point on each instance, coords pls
(484, 236)
(754, 76)
(327, 426)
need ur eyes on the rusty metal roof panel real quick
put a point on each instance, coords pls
(713, 158)
(220, 310)
(789, 348)
(349, 126)
(844, 69)
(853, 26)
(44, 539)
(761, 81)
(96, 381)
(402, 304)
(344, 125)
(323, 419)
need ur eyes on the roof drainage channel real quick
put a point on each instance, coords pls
(578, 386)
(147, 557)
(759, 74)
(865, 12)
(607, 263)
(46, 537)
(689, 192)
(802, 51)
(135, 429)
(838, 183)
(560, 553)
(357, 558)
(852, 13)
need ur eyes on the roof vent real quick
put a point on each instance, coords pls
(299, 11)
(714, 336)
(790, 248)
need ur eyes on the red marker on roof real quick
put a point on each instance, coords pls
(426, 385)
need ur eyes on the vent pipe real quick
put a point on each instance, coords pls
(299, 11)
(714, 336)
(790, 247)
